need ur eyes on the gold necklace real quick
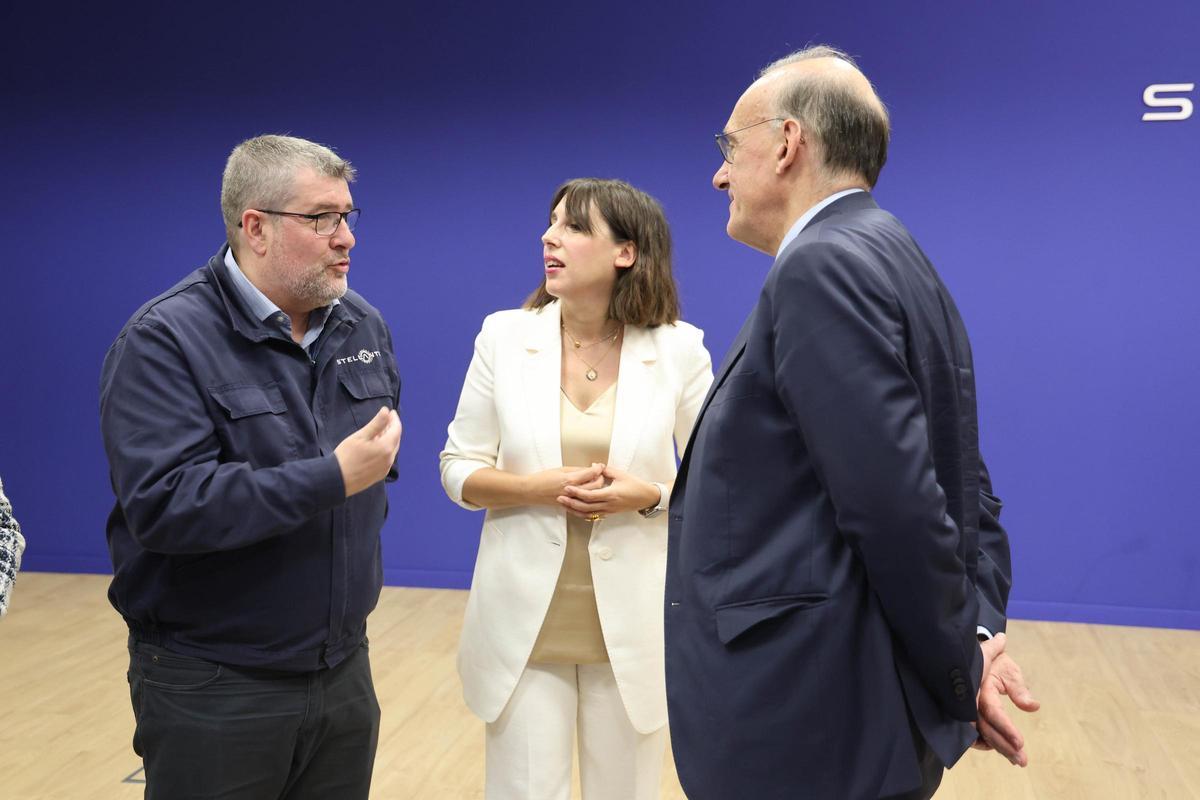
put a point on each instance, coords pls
(580, 345)
(592, 374)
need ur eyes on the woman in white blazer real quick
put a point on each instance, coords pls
(571, 415)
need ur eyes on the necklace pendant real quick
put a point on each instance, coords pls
(578, 345)
(591, 375)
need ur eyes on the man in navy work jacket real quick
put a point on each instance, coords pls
(249, 416)
(834, 545)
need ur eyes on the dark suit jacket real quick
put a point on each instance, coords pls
(825, 572)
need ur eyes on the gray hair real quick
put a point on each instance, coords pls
(851, 132)
(261, 173)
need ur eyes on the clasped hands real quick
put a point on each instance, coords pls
(592, 492)
(1001, 676)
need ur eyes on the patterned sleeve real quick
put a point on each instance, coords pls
(12, 544)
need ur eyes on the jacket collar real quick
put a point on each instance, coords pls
(858, 201)
(808, 216)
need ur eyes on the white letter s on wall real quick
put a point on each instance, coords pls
(1182, 105)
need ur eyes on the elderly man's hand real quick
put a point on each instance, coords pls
(1002, 677)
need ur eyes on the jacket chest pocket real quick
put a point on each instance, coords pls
(256, 426)
(369, 391)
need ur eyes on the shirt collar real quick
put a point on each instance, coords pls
(266, 311)
(807, 217)
(260, 305)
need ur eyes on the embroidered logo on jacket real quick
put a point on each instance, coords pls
(363, 356)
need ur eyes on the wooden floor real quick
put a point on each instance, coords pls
(1120, 711)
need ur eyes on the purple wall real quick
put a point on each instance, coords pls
(1064, 224)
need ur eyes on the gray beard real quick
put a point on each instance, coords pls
(311, 287)
(316, 290)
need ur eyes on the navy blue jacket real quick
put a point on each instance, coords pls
(833, 539)
(231, 537)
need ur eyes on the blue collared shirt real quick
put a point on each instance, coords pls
(807, 217)
(265, 310)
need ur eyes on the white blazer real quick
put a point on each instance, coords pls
(508, 418)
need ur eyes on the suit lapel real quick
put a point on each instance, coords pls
(635, 386)
(731, 357)
(541, 381)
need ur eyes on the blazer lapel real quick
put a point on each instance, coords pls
(635, 385)
(541, 381)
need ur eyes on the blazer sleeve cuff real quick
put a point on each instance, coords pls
(454, 475)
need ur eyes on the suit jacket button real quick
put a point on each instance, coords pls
(604, 553)
(960, 691)
(956, 673)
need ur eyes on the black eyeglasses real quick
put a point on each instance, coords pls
(325, 223)
(726, 146)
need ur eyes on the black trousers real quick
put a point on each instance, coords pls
(207, 730)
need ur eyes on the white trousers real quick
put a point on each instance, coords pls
(528, 753)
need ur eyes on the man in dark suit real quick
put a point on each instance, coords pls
(834, 544)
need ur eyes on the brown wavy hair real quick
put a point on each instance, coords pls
(645, 294)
